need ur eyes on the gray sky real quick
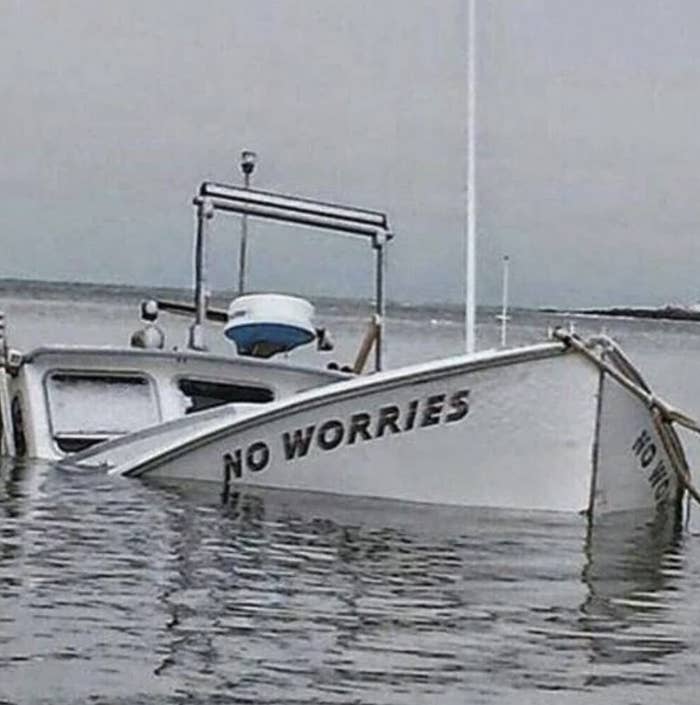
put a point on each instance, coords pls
(588, 141)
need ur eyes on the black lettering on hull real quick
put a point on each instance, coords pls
(388, 420)
(257, 456)
(359, 428)
(659, 479)
(330, 434)
(297, 443)
(432, 410)
(459, 402)
(411, 418)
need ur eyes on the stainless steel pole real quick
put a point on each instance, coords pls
(205, 212)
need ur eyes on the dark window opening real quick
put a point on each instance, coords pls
(100, 379)
(74, 444)
(206, 395)
(18, 427)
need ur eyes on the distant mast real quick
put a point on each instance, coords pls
(504, 318)
(470, 304)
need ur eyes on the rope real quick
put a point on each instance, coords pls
(675, 453)
(621, 361)
(663, 415)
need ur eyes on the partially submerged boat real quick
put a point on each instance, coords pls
(537, 427)
(562, 425)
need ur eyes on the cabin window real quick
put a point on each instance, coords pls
(85, 409)
(18, 427)
(203, 394)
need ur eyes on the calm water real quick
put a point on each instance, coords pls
(120, 591)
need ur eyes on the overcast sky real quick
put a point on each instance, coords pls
(588, 141)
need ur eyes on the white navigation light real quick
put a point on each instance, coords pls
(248, 160)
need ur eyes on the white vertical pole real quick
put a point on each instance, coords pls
(470, 307)
(504, 305)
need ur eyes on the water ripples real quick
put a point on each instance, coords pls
(120, 591)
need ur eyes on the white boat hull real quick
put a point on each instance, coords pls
(525, 429)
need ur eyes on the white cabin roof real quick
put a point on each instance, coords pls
(50, 355)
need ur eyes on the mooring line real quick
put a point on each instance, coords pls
(662, 414)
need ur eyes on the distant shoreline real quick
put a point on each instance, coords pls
(129, 293)
(670, 313)
(51, 289)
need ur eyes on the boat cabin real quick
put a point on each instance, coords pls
(60, 400)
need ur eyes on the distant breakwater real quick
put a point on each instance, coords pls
(673, 313)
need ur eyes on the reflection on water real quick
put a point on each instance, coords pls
(118, 591)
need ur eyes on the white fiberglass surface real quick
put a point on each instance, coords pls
(100, 404)
(523, 439)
